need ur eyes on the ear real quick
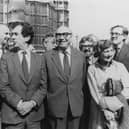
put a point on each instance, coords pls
(27, 38)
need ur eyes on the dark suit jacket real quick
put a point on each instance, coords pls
(123, 56)
(61, 91)
(14, 87)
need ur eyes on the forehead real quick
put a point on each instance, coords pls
(63, 30)
(86, 43)
(3, 29)
(117, 29)
(17, 29)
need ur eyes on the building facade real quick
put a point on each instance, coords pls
(45, 16)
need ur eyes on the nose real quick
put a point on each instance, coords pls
(61, 36)
(13, 37)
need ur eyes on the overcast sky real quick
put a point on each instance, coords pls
(97, 16)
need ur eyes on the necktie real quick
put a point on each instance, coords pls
(25, 66)
(66, 64)
(117, 54)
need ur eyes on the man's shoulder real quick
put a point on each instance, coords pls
(50, 52)
(126, 46)
(75, 50)
(8, 54)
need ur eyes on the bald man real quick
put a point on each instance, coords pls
(4, 37)
(65, 71)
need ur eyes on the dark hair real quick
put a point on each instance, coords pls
(124, 29)
(102, 45)
(27, 29)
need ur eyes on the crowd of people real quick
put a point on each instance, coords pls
(64, 88)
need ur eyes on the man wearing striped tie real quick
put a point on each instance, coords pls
(22, 82)
(65, 70)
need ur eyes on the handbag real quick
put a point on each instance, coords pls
(113, 88)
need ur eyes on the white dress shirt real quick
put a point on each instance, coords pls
(61, 55)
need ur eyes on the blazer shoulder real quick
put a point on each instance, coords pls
(8, 55)
(48, 53)
(77, 51)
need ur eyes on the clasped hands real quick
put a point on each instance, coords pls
(25, 107)
(109, 115)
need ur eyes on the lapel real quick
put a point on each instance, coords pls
(57, 62)
(18, 66)
(123, 52)
(73, 62)
(32, 66)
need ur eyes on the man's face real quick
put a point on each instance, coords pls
(117, 35)
(63, 38)
(49, 43)
(88, 49)
(108, 54)
(18, 38)
(4, 34)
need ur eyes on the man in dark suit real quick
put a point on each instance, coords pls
(65, 68)
(119, 35)
(22, 82)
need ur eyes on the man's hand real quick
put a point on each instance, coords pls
(25, 107)
(20, 107)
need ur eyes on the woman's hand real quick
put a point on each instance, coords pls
(109, 115)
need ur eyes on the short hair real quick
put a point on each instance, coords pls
(49, 35)
(90, 38)
(102, 45)
(124, 29)
(27, 29)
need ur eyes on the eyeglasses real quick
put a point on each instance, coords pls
(63, 34)
(115, 33)
(14, 34)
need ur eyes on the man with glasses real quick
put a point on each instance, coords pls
(65, 71)
(119, 35)
(49, 42)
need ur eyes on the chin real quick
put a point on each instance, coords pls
(116, 42)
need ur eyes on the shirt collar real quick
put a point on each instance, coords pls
(104, 67)
(120, 45)
(68, 50)
(28, 50)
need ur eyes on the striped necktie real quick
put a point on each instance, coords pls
(66, 64)
(25, 66)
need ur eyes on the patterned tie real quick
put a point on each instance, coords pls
(116, 57)
(66, 64)
(25, 66)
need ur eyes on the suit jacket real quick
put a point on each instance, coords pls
(14, 87)
(123, 56)
(63, 92)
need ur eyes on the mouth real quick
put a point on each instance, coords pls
(108, 57)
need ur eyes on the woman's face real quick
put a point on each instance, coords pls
(88, 49)
(107, 54)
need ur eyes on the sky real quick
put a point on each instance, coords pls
(97, 16)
